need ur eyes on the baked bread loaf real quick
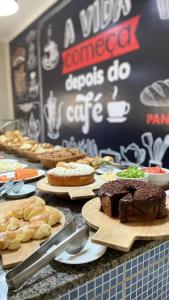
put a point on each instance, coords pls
(156, 94)
(70, 174)
(49, 160)
(132, 200)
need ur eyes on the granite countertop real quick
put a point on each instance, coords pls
(57, 278)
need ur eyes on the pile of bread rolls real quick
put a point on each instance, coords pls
(28, 220)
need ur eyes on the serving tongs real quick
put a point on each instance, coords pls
(9, 186)
(68, 239)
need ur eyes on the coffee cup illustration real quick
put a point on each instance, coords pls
(52, 112)
(117, 110)
(163, 9)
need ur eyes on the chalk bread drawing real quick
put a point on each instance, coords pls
(163, 9)
(27, 107)
(156, 94)
(51, 54)
(53, 116)
(117, 109)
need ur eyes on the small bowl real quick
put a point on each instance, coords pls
(159, 179)
(145, 178)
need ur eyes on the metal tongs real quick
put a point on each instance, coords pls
(10, 185)
(68, 239)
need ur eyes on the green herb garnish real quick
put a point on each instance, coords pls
(131, 172)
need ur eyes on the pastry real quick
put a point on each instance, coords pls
(32, 210)
(42, 230)
(18, 210)
(8, 223)
(49, 160)
(71, 174)
(25, 233)
(132, 200)
(15, 230)
(9, 240)
(51, 216)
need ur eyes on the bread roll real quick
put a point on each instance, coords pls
(32, 210)
(8, 223)
(50, 216)
(25, 233)
(54, 215)
(43, 217)
(18, 210)
(9, 240)
(42, 230)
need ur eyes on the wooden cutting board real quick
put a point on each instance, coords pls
(114, 234)
(74, 193)
(12, 258)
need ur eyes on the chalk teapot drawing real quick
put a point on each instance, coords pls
(52, 112)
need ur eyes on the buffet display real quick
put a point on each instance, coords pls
(127, 195)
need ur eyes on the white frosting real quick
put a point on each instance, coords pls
(72, 169)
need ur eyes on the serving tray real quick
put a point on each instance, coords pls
(73, 193)
(113, 234)
(12, 258)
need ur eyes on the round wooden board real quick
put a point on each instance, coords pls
(73, 192)
(12, 258)
(114, 234)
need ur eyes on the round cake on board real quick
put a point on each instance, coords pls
(70, 174)
(132, 200)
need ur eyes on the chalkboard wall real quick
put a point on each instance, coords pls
(95, 75)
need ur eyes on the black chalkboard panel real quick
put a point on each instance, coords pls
(103, 78)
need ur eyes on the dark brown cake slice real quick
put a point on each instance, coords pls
(132, 200)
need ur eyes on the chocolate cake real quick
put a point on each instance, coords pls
(132, 200)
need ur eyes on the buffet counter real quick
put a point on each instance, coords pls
(140, 274)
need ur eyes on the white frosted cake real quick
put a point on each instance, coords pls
(70, 174)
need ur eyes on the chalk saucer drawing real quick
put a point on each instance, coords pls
(117, 109)
(156, 94)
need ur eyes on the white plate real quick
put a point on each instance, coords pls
(11, 174)
(107, 169)
(89, 253)
(25, 190)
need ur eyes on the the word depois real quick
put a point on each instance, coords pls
(95, 17)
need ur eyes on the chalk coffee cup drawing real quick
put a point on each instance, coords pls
(117, 110)
(52, 112)
(163, 9)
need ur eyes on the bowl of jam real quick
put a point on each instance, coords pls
(157, 175)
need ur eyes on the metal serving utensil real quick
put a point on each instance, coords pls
(5, 191)
(67, 239)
